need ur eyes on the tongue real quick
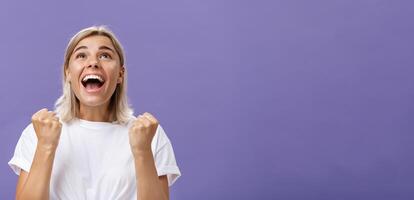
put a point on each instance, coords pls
(92, 86)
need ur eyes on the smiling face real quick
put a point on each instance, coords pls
(94, 70)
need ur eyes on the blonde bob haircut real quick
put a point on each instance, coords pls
(67, 105)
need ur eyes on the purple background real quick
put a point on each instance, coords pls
(291, 99)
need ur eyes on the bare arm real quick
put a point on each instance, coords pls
(35, 184)
(149, 185)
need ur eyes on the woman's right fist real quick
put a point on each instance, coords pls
(47, 127)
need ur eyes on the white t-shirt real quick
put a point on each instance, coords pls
(94, 161)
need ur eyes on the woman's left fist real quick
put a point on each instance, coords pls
(141, 133)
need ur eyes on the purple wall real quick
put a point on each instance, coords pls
(261, 99)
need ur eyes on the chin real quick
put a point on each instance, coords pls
(92, 101)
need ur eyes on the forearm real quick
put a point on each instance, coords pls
(38, 180)
(148, 185)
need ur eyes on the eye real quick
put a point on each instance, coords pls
(80, 55)
(105, 56)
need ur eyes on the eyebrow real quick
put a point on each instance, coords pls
(107, 48)
(101, 47)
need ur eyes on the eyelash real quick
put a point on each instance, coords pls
(105, 54)
(80, 54)
(83, 55)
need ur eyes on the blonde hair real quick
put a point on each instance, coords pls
(67, 105)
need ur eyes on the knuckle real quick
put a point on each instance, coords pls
(133, 129)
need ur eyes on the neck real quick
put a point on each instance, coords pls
(95, 113)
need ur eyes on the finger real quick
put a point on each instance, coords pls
(150, 117)
(139, 123)
(42, 110)
(139, 120)
(144, 120)
(55, 118)
(51, 114)
(41, 114)
(149, 121)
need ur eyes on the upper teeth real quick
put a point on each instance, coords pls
(87, 77)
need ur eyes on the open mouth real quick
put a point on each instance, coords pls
(92, 82)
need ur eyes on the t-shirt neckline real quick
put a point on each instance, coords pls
(95, 124)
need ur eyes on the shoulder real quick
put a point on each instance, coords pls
(28, 138)
(161, 132)
(160, 138)
(29, 131)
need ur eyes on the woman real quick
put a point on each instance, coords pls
(92, 147)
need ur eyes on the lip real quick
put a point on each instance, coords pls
(92, 91)
(98, 74)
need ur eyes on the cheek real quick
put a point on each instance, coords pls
(114, 71)
(73, 71)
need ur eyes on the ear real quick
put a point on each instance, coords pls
(68, 76)
(121, 74)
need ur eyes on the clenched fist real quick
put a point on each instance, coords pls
(47, 128)
(141, 133)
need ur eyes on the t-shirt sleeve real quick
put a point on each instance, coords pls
(164, 157)
(24, 151)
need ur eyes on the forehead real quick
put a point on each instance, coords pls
(95, 41)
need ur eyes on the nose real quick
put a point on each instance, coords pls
(93, 63)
